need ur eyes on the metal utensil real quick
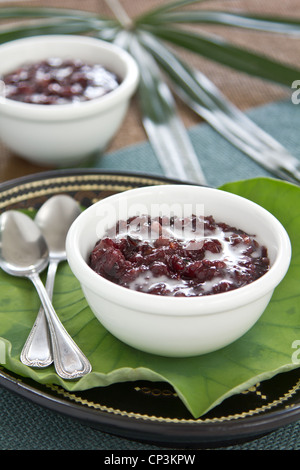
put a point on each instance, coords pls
(54, 219)
(24, 252)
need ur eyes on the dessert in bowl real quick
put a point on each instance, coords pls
(62, 131)
(164, 284)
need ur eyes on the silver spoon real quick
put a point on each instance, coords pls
(54, 219)
(24, 252)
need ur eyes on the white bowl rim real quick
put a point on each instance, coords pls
(122, 92)
(216, 303)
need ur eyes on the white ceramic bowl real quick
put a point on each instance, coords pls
(177, 326)
(65, 134)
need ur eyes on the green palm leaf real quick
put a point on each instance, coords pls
(53, 27)
(219, 50)
(271, 24)
(166, 7)
(44, 12)
(50, 21)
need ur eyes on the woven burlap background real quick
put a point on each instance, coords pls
(246, 92)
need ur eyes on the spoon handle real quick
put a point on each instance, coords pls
(69, 360)
(37, 351)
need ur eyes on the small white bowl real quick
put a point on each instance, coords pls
(68, 133)
(177, 326)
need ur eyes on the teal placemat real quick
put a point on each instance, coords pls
(27, 426)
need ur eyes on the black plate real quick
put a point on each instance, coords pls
(146, 411)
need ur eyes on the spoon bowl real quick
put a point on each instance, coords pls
(22, 246)
(54, 219)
